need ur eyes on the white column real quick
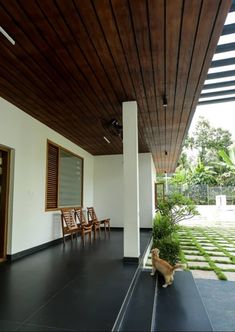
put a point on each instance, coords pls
(131, 182)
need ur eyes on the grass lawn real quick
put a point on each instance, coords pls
(208, 249)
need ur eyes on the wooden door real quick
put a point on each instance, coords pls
(4, 181)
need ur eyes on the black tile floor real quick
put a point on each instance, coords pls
(219, 300)
(67, 288)
(180, 307)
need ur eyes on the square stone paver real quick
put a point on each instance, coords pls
(230, 275)
(228, 246)
(222, 241)
(229, 249)
(225, 266)
(219, 258)
(215, 253)
(202, 264)
(201, 258)
(191, 252)
(198, 274)
(210, 248)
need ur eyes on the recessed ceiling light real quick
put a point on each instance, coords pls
(5, 34)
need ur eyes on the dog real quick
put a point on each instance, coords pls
(164, 267)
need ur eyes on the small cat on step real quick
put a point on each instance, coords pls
(164, 267)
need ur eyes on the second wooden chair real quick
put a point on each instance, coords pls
(84, 226)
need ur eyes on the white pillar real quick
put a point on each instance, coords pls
(131, 182)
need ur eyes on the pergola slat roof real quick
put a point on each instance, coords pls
(75, 62)
(223, 88)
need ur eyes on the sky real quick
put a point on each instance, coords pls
(219, 115)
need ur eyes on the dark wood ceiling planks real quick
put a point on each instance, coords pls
(75, 62)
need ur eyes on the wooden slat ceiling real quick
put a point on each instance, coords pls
(75, 62)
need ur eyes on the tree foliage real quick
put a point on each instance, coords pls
(177, 208)
(208, 140)
(205, 157)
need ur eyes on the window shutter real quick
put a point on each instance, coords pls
(52, 176)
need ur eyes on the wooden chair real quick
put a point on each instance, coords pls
(92, 216)
(68, 223)
(95, 224)
(83, 225)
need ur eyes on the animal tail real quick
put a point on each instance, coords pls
(179, 266)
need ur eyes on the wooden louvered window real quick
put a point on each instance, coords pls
(64, 178)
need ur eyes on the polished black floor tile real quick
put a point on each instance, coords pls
(39, 328)
(180, 307)
(219, 299)
(71, 287)
(138, 315)
(6, 325)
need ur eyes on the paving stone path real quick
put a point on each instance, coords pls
(215, 245)
(208, 252)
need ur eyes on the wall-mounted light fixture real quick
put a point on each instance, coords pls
(8, 37)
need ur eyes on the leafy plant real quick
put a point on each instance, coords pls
(169, 248)
(162, 227)
(170, 212)
(203, 174)
(177, 207)
(206, 157)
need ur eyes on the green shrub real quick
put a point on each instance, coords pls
(169, 248)
(170, 212)
(162, 226)
(165, 238)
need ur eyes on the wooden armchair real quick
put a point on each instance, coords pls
(95, 224)
(92, 216)
(68, 223)
(83, 225)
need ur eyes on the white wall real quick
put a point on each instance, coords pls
(31, 225)
(146, 185)
(108, 188)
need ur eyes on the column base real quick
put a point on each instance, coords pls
(131, 260)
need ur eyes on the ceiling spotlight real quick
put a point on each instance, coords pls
(164, 101)
(105, 138)
(8, 37)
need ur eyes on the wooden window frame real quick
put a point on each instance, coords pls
(57, 207)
